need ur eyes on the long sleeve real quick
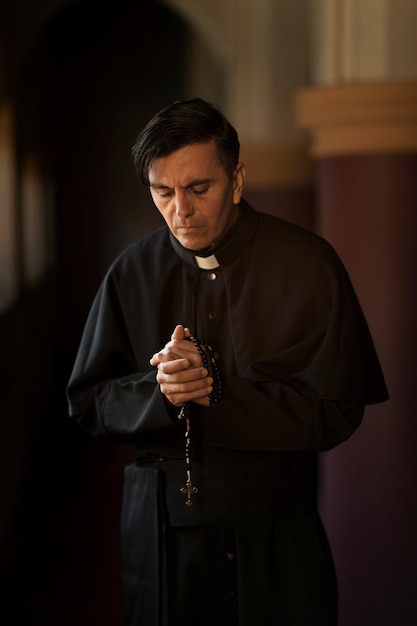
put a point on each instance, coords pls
(111, 398)
(112, 391)
(275, 417)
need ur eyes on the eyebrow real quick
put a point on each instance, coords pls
(193, 183)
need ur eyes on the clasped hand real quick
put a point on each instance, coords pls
(181, 375)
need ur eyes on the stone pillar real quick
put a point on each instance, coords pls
(364, 140)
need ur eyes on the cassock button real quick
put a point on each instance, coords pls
(211, 276)
(213, 315)
(230, 556)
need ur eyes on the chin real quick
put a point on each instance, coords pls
(193, 244)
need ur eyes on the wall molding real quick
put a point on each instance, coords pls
(359, 118)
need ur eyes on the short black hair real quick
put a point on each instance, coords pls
(183, 123)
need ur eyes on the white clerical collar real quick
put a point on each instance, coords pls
(207, 262)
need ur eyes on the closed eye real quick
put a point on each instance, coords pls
(199, 192)
(163, 192)
(196, 188)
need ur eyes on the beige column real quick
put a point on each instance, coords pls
(269, 63)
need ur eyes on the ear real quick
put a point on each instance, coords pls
(238, 181)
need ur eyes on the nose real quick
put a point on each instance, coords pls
(183, 205)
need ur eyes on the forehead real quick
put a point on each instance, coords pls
(190, 160)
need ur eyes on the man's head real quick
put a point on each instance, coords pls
(183, 123)
(188, 157)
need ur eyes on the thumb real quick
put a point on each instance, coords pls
(179, 332)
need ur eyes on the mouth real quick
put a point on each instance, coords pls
(188, 228)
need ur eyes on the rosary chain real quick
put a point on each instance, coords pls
(209, 362)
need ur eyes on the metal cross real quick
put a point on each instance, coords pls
(188, 489)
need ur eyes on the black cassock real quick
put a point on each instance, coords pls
(298, 365)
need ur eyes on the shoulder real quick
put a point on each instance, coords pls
(142, 252)
(292, 244)
(141, 262)
(295, 260)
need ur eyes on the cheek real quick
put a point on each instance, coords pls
(165, 215)
(159, 205)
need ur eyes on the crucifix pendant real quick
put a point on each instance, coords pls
(189, 490)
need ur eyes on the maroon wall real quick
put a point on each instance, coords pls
(367, 210)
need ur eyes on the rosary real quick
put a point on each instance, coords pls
(207, 356)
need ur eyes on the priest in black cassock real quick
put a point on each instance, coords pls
(230, 347)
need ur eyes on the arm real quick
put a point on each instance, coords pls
(251, 416)
(111, 399)
(274, 416)
(112, 391)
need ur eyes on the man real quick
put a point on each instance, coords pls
(229, 347)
